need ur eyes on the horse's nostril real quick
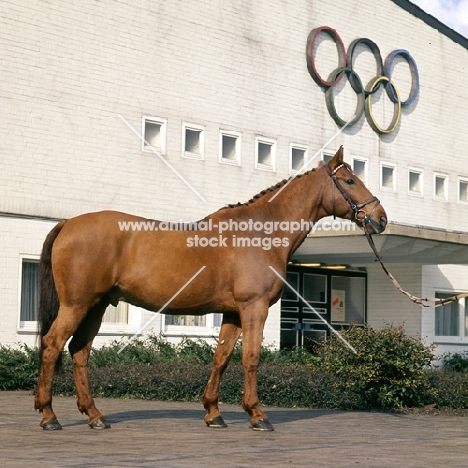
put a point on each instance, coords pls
(383, 221)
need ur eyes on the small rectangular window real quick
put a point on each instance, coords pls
(154, 135)
(29, 297)
(326, 156)
(172, 322)
(265, 154)
(463, 190)
(117, 314)
(230, 147)
(451, 319)
(186, 320)
(193, 141)
(415, 184)
(387, 177)
(297, 158)
(29, 290)
(440, 187)
(360, 169)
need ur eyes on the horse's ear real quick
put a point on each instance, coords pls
(337, 159)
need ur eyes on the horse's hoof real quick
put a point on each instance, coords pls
(217, 422)
(52, 425)
(262, 425)
(100, 423)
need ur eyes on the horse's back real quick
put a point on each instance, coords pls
(114, 251)
(129, 255)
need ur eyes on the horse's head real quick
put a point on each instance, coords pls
(347, 197)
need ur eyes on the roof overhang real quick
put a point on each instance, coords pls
(397, 244)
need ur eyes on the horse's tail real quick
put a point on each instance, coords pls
(48, 298)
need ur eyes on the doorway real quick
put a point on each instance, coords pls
(339, 296)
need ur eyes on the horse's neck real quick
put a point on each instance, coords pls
(298, 202)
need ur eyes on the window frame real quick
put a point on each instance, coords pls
(462, 336)
(25, 326)
(195, 128)
(107, 328)
(420, 172)
(445, 177)
(120, 328)
(465, 181)
(238, 146)
(270, 142)
(388, 165)
(208, 330)
(297, 146)
(326, 156)
(163, 135)
(366, 167)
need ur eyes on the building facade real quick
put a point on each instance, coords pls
(171, 110)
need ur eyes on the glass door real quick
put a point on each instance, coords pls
(338, 296)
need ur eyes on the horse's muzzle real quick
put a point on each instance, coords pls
(376, 227)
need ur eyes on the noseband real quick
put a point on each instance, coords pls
(356, 207)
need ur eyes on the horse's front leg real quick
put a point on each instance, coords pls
(228, 336)
(253, 321)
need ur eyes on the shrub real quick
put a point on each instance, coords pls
(195, 352)
(18, 367)
(387, 370)
(451, 388)
(137, 351)
(457, 361)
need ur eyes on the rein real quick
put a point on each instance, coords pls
(417, 300)
(357, 208)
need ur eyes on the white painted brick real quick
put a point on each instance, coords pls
(69, 69)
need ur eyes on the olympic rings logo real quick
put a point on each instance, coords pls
(345, 66)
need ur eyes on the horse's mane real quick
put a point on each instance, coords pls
(268, 190)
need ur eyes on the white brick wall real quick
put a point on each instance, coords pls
(70, 68)
(387, 305)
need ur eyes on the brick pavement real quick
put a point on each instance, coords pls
(171, 434)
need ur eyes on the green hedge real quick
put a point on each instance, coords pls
(18, 368)
(278, 385)
(389, 370)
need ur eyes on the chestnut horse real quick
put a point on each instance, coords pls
(89, 262)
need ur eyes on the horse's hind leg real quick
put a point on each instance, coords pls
(53, 343)
(228, 336)
(80, 348)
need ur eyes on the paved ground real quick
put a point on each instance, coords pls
(164, 434)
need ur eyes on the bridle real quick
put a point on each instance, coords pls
(356, 207)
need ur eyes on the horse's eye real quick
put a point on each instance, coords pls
(350, 181)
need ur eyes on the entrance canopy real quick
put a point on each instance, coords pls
(397, 244)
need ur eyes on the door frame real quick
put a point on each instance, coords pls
(299, 325)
